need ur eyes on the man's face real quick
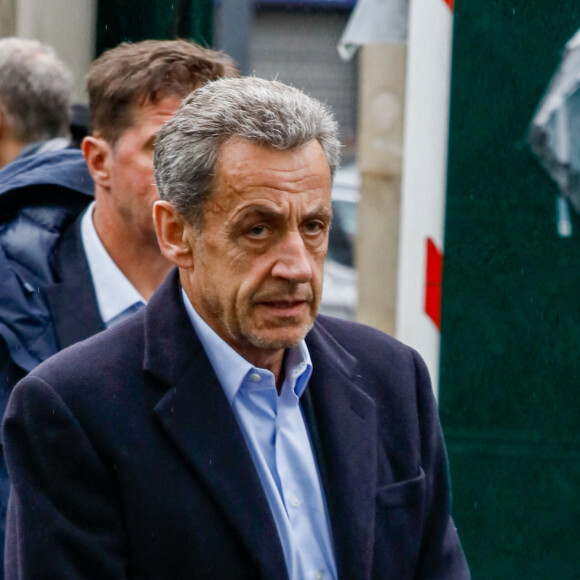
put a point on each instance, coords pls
(258, 256)
(132, 184)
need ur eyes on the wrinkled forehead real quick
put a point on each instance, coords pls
(247, 158)
(248, 174)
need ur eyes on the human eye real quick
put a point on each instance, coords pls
(314, 227)
(258, 232)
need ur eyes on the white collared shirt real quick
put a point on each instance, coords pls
(116, 296)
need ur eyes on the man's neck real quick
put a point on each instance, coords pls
(138, 258)
(9, 151)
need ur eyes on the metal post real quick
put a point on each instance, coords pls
(380, 158)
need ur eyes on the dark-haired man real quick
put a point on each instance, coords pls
(69, 272)
(67, 276)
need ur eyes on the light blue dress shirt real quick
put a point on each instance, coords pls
(117, 298)
(278, 441)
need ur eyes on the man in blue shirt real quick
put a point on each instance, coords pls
(226, 431)
(69, 271)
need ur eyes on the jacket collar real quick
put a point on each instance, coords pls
(71, 300)
(197, 416)
(342, 419)
(65, 168)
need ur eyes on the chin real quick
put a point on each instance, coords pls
(278, 339)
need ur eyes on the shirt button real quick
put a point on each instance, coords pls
(295, 501)
(319, 575)
(255, 378)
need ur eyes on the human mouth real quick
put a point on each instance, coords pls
(285, 306)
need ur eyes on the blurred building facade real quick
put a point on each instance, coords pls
(67, 26)
(292, 41)
(295, 42)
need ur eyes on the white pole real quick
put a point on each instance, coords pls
(424, 178)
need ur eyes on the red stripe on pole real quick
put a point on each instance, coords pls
(433, 279)
(450, 3)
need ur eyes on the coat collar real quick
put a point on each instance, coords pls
(71, 300)
(342, 419)
(197, 416)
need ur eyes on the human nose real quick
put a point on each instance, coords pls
(293, 261)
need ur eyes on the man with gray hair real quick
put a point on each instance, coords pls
(226, 430)
(35, 99)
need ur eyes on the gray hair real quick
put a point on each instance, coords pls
(267, 113)
(35, 90)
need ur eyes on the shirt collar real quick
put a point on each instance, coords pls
(114, 292)
(231, 368)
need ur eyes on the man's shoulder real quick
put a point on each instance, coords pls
(28, 247)
(381, 362)
(97, 383)
(361, 339)
(104, 358)
(65, 168)
(40, 197)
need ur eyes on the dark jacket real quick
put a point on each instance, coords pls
(40, 199)
(127, 461)
(40, 196)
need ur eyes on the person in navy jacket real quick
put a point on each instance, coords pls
(226, 431)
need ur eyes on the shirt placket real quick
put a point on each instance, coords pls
(297, 491)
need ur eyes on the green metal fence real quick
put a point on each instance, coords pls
(510, 352)
(134, 20)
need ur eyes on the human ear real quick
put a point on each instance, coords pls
(97, 153)
(173, 234)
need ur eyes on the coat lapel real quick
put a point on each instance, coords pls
(196, 415)
(342, 419)
(71, 300)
